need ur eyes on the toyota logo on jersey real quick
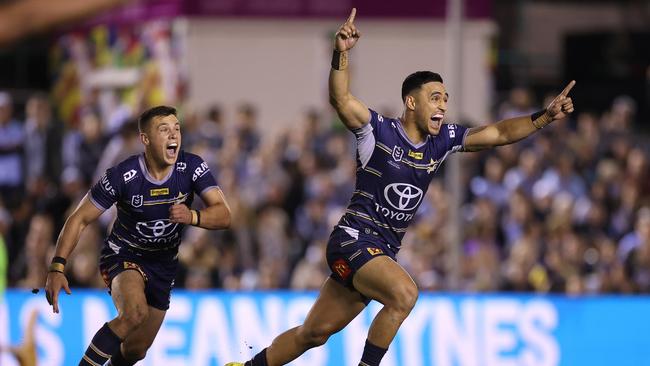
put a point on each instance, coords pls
(156, 228)
(403, 196)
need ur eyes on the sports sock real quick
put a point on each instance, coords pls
(372, 355)
(258, 360)
(103, 344)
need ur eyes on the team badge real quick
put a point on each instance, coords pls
(136, 201)
(433, 165)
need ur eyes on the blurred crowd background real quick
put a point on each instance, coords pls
(565, 211)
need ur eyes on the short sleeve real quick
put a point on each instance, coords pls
(106, 191)
(202, 178)
(453, 135)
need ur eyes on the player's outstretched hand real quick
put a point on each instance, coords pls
(562, 105)
(180, 214)
(347, 35)
(53, 285)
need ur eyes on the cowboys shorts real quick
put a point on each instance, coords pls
(158, 274)
(348, 250)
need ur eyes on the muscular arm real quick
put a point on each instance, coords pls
(512, 130)
(351, 110)
(217, 213)
(83, 215)
(503, 132)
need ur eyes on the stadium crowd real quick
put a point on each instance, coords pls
(565, 211)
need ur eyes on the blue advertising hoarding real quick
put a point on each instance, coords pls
(212, 328)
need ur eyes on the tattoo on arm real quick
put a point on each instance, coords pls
(470, 132)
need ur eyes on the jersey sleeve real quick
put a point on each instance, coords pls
(454, 136)
(202, 178)
(366, 137)
(106, 191)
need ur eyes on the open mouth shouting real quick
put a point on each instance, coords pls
(171, 150)
(436, 120)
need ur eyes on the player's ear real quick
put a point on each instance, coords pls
(144, 138)
(410, 102)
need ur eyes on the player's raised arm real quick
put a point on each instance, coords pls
(83, 215)
(514, 129)
(352, 111)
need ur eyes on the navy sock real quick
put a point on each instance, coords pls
(258, 360)
(372, 355)
(117, 359)
(104, 344)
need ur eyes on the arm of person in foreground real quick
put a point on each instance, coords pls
(23, 17)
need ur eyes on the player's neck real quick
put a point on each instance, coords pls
(412, 131)
(156, 170)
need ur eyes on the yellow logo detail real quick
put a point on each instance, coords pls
(416, 155)
(158, 192)
(374, 251)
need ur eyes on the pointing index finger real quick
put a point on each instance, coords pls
(568, 88)
(353, 13)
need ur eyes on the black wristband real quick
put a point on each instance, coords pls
(59, 260)
(336, 60)
(536, 115)
(198, 217)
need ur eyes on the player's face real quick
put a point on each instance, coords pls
(164, 139)
(430, 107)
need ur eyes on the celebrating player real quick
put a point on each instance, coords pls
(153, 192)
(396, 160)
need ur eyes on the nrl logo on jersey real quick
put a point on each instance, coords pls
(137, 200)
(398, 153)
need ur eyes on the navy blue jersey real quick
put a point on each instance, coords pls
(393, 175)
(142, 225)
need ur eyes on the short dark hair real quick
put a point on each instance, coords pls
(417, 79)
(149, 114)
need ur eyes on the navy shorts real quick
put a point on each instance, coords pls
(348, 250)
(158, 274)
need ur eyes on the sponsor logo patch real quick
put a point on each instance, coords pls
(416, 155)
(341, 268)
(374, 251)
(128, 176)
(159, 192)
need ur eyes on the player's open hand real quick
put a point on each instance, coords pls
(53, 285)
(562, 105)
(180, 214)
(347, 35)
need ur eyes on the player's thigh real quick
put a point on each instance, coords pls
(127, 291)
(141, 339)
(335, 307)
(384, 280)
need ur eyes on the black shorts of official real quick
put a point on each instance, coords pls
(347, 251)
(158, 274)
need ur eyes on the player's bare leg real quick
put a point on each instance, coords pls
(398, 295)
(127, 290)
(335, 308)
(136, 344)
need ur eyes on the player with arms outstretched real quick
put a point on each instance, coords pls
(153, 192)
(396, 160)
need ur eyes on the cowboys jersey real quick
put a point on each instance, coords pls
(393, 175)
(142, 225)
